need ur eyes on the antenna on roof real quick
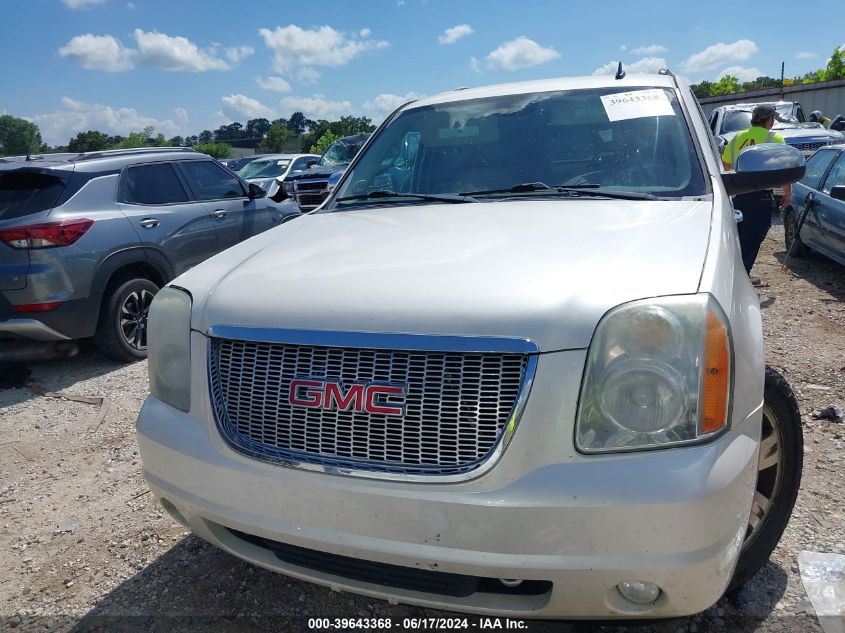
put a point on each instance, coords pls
(620, 74)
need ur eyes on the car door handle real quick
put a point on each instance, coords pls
(149, 223)
(220, 213)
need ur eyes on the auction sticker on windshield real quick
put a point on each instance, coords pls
(636, 104)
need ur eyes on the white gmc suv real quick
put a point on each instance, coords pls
(513, 365)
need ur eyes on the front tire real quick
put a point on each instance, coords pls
(122, 327)
(790, 235)
(779, 467)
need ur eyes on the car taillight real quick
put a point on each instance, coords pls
(47, 235)
(38, 307)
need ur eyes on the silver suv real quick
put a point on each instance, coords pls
(86, 241)
(513, 365)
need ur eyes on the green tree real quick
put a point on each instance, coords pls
(176, 141)
(323, 144)
(351, 125)
(18, 136)
(835, 65)
(90, 141)
(145, 138)
(297, 122)
(206, 136)
(727, 85)
(217, 150)
(277, 138)
(257, 128)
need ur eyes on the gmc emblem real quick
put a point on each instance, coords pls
(317, 393)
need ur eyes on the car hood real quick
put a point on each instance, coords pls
(319, 172)
(542, 270)
(802, 134)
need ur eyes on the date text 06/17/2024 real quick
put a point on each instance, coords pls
(417, 624)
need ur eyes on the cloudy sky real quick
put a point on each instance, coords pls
(188, 65)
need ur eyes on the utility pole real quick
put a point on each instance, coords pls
(781, 80)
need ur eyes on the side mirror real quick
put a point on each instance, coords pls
(311, 162)
(279, 195)
(764, 166)
(255, 191)
(738, 217)
(838, 192)
(721, 143)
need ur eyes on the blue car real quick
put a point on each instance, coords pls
(820, 195)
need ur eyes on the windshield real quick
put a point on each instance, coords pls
(264, 168)
(736, 121)
(340, 153)
(636, 141)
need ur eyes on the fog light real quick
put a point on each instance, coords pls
(510, 583)
(639, 592)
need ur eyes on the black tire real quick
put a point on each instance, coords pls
(122, 326)
(778, 483)
(790, 233)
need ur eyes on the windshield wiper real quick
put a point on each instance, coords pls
(587, 189)
(386, 193)
(604, 193)
(528, 187)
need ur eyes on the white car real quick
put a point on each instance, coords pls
(512, 366)
(269, 171)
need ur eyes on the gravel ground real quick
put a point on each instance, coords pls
(83, 546)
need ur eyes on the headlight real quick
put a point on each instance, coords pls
(659, 373)
(169, 348)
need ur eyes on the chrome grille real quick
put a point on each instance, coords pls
(809, 147)
(311, 199)
(311, 185)
(457, 406)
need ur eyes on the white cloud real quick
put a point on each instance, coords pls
(307, 75)
(475, 65)
(58, 127)
(130, 5)
(181, 114)
(159, 50)
(651, 49)
(273, 84)
(743, 74)
(452, 35)
(295, 48)
(365, 32)
(175, 53)
(623, 48)
(720, 54)
(806, 55)
(382, 105)
(644, 65)
(317, 107)
(520, 53)
(98, 52)
(238, 53)
(240, 107)
(82, 4)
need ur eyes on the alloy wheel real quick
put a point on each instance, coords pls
(133, 318)
(769, 475)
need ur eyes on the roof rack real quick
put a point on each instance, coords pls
(109, 153)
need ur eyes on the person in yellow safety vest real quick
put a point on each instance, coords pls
(756, 206)
(816, 116)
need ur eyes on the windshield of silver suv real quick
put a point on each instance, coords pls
(340, 153)
(633, 143)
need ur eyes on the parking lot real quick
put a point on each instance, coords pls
(84, 546)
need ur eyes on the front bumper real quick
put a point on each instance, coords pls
(584, 524)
